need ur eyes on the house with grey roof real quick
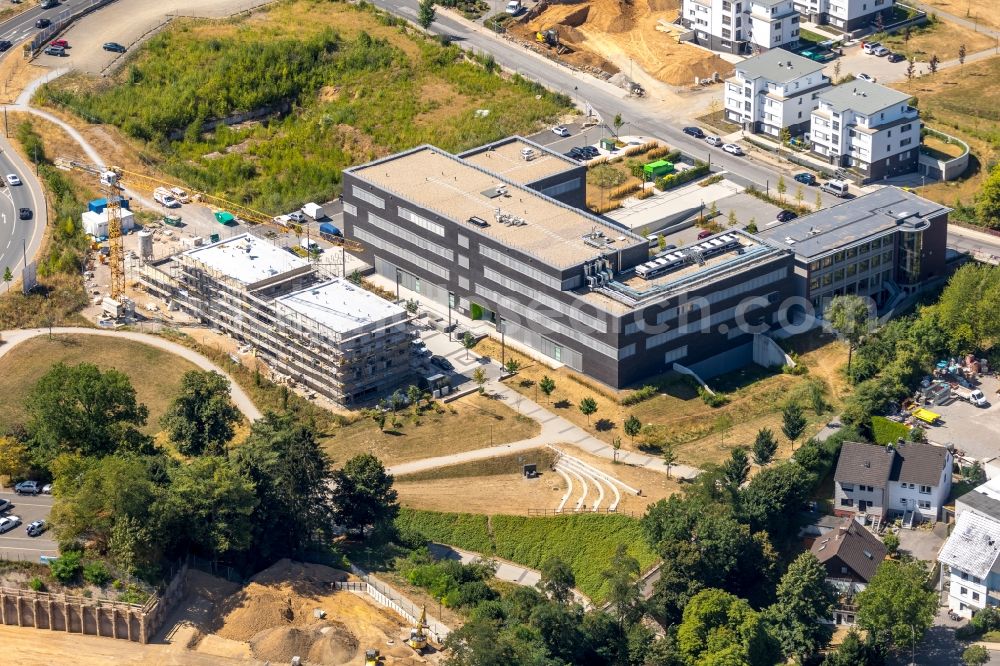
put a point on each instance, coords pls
(869, 128)
(884, 245)
(850, 554)
(910, 480)
(743, 27)
(775, 90)
(971, 559)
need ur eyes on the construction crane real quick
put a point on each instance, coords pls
(115, 179)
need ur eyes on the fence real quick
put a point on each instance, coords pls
(93, 617)
(385, 596)
(61, 21)
(567, 512)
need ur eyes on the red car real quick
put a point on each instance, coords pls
(59, 42)
(704, 234)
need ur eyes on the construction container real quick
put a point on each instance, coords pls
(98, 205)
(327, 229)
(314, 210)
(172, 220)
(222, 217)
(145, 244)
(214, 238)
(656, 169)
(608, 144)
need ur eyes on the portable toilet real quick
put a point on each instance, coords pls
(654, 170)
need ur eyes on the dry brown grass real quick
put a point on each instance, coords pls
(700, 433)
(15, 74)
(982, 11)
(500, 493)
(941, 38)
(472, 422)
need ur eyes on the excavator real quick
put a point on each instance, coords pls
(418, 635)
(373, 658)
(550, 38)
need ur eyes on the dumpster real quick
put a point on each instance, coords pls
(926, 415)
(214, 238)
(222, 217)
(172, 220)
(608, 144)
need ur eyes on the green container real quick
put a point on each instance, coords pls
(214, 238)
(654, 170)
(222, 217)
(608, 144)
(172, 220)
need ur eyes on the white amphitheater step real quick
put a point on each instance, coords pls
(569, 489)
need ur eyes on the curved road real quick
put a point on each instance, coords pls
(11, 339)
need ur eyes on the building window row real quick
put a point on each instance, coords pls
(411, 237)
(411, 257)
(421, 221)
(368, 197)
(675, 354)
(520, 267)
(566, 309)
(350, 208)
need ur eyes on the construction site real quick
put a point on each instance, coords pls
(608, 38)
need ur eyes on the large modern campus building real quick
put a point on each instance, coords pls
(326, 334)
(499, 234)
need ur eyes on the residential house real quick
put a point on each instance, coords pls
(911, 480)
(850, 554)
(741, 26)
(972, 558)
(867, 127)
(773, 91)
(847, 15)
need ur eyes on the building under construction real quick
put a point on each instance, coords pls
(329, 335)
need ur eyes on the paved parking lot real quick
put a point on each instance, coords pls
(975, 430)
(16, 545)
(855, 61)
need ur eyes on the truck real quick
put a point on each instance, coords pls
(314, 210)
(165, 197)
(973, 396)
(309, 245)
(180, 194)
(328, 231)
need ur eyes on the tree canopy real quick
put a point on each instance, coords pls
(201, 418)
(800, 616)
(719, 628)
(898, 605)
(363, 494)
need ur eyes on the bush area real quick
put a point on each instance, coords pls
(586, 542)
(681, 177)
(888, 432)
(353, 90)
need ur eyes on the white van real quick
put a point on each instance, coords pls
(314, 210)
(837, 188)
(165, 197)
(514, 7)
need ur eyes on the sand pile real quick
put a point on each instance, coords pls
(287, 571)
(254, 609)
(280, 644)
(334, 645)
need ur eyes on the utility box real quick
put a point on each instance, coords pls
(654, 170)
(608, 144)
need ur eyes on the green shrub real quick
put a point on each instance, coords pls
(96, 573)
(681, 177)
(888, 432)
(712, 399)
(640, 395)
(463, 530)
(36, 584)
(67, 567)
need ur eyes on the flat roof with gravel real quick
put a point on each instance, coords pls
(340, 306)
(504, 157)
(246, 258)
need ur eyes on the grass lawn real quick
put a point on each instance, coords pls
(941, 38)
(700, 433)
(809, 36)
(472, 422)
(155, 374)
(887, 431)
(360, 85)
(962, 101)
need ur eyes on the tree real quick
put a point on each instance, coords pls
(661, 242)
(764, 447)
(800, 196)
(802, 611)
(879, 22)
(468, 342)
(737, 468)
(891, 542)
(836, 72)
(413, 395)
(7, 277)
(934, 62)
(669, 456)
(623, 595)
(732, 218)
(792, 421)
(850, 316)
(588, 406)
(988, 201)
(632, 426)
(425, 13)
(852, 651)
(79, 408)
(721, 629)
(819, 200)
(557, 580)
(548, 385)
(907, 31)
(14, 459)
(781, 188)
(293, 481)
(512, 365)
(363, 495)
(898, 605)
(774, 494)
(379, 416)
(961, 55)
(201, 418)
(752, 225)
(785, 136)
(479, 377)
(911, 66)
(617, 123)
(974, 473)
(976, 655)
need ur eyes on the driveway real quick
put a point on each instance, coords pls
(974, 430)
(16, 544)
(856, 61)
(923, 544)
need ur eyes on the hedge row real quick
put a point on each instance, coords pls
(463, 530)
(681, 177)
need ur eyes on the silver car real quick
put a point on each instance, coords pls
(714, 140)
(8, 523)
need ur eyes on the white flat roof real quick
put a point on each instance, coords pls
(340, 305)
(246, 258)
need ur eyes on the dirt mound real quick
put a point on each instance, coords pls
(334, 645)
(683, 73)
(664, 5)
(287, 571)
(577, 17)
(570, 35)
(624, 22)
(254, 609)
(280, 644)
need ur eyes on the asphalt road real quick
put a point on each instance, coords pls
(22, 26)
(16, 544)
(15, 234)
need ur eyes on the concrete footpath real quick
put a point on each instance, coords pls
(11, 339)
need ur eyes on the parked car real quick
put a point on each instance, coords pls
(705, 233)
(695, 132)
(36, 528)
(732, 149)
(561, 130)
(896, 57)
(24, 213)
(714, 140)
(13, 179)
(838, 188)
(27, 488)
(880, 51)
(590, 151)
(5, 44)
(786, 215)
(54, 51)
(8, 523)
(865, 77)
(43, 23)
(575, 153)
(805, 178)
(514, 7)
(443, 363)
(869, 47)
(5, 505)
(114, 46)
(59, 42)
(47, 489)
(297, 216)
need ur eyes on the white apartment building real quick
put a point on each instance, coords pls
(741, 26)
(972, 557)
(847, 15)
(774, 90)
(868, 127)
